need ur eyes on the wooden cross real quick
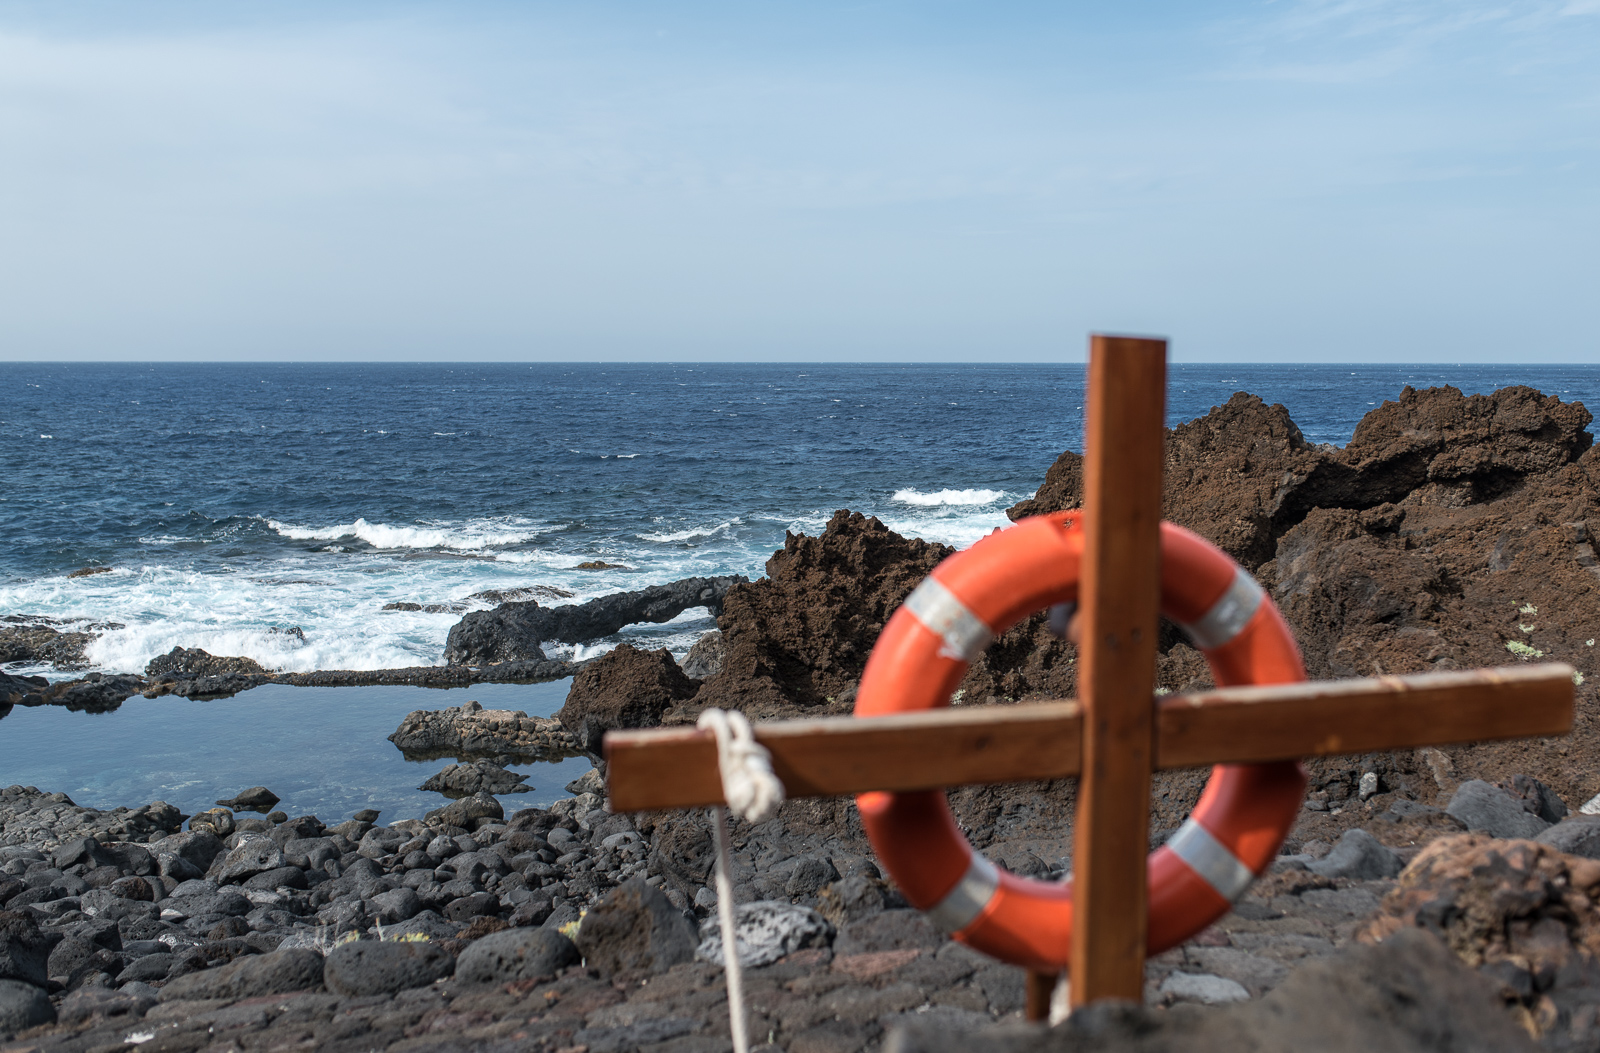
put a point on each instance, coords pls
(1118, 731)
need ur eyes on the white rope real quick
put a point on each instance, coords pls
(754, 793)
(748, 785)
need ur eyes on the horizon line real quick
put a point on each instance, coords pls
(745, 362)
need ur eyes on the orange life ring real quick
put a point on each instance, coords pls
(1234, 832)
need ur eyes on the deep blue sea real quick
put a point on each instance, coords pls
(234, 499)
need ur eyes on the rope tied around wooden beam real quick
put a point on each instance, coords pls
(754, 793)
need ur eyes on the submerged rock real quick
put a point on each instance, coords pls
(463, 780)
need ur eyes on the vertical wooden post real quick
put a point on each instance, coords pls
(1038, 990)
(1120, 598)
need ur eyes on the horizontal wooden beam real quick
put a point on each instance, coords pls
(677, 767)
(1313, 719)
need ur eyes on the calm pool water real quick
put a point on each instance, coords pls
(324, 750)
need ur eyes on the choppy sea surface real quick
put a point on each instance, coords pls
(233, 500)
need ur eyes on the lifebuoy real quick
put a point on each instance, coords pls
(950, 618)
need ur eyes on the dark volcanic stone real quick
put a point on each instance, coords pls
(466, 812)
(251, 855)
(1576, 835)
(255, 799)
(23, 1006)
(198, 848)
(1536, 797)
(478, 904)
(282, 877)
(809, 876)
(183, 663)
(1484, 806)
(95, 693)
(515, 954)
(1359, 856)
(625, 688)
(513, 632)
(250, 977)
(634, 930)
(371, 967)
(24, 948)
(462, 780)
(149, 969)
(225, 902)
(135, 888)
(37, 643)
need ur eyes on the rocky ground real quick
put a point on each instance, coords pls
(575, 928)
(1451, 532)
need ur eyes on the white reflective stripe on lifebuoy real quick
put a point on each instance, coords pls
(1211, 859)
(962, 904)
(1229, 615)
(964, 633)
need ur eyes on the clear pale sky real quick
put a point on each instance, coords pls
(1353, 180)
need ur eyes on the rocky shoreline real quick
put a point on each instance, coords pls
(1439, 898)
(573, 927)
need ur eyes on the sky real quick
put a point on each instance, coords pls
(1298, 180)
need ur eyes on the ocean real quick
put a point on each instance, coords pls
(230, 501)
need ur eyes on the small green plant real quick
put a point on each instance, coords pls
(1526, 628)
(1577, 678)
(1522, 650)
(955, 699)
(570, 929)
(1527, 608)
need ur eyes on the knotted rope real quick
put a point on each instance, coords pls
(754, 793)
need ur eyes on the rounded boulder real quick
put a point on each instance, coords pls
(23, 1006)
(373, 967)
(515, 954)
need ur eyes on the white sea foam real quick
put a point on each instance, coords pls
(957, 531)
(948, 497)
(692, 533)
(469, 536)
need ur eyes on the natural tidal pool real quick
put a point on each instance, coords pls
(323, 750)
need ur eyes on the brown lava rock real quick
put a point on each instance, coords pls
(799, 638)
(624, 688)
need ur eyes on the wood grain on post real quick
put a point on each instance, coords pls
(970, 745)
(1120, 598)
